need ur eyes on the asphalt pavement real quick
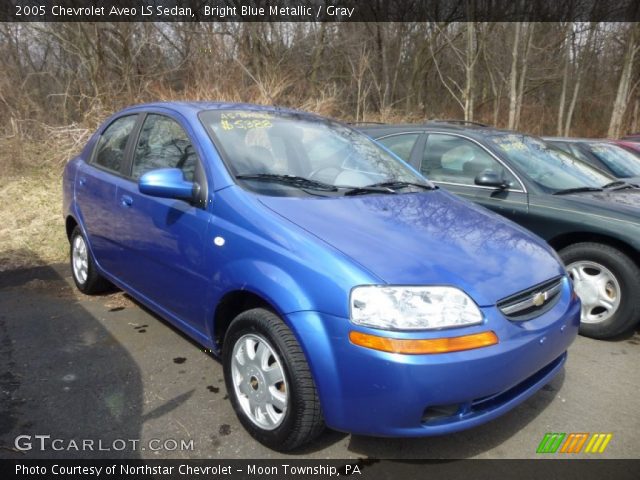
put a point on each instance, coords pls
(102, 377)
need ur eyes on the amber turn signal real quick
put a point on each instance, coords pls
(431, 345)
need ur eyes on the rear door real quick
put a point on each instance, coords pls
(96, 191)
(164, 239)
(454, 161)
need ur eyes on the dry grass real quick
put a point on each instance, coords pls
(31, 225)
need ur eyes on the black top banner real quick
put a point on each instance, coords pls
(320, 11)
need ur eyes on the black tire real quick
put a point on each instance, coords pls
(94, 282)
(302, 419)
(627, 275)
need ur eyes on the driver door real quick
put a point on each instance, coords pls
(453, 162)
(164, 239)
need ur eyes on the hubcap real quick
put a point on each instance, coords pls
(259, 382)
(598, 289)
(80, 259)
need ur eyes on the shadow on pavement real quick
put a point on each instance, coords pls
(66, 376)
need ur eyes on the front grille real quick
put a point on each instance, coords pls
(531, 302)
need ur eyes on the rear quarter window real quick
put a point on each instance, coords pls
(111, 146)
(401, 145)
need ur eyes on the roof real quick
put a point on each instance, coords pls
(390, 128)
(196, 107)
(575, 139)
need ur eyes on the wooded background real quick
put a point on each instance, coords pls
(58, 81)
(544, 78)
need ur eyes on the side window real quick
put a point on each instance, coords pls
(163, 144)
(112, 143)
(401, 145)
(448, 158)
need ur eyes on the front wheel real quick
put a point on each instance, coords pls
(607, 282)
(269, 381)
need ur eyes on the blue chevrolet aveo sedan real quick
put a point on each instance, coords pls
(339, 287)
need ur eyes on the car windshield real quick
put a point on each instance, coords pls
(622, 163)
(547, 166)
(284, 153)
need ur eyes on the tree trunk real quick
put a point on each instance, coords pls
(622, 96)
(513, 77)
(469, 71)
(523, 75)
(565, 79)
(583, 64)
(572, 106)
(634, 121)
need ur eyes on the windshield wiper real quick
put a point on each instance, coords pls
(618, 185)
(567, 191)
(367, 189)
(397, 184)
(384, 187)
(292, 180)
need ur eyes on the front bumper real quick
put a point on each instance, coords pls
(370, 392)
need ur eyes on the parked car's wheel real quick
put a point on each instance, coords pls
(607, 282)
(83, 267)
(269, 381)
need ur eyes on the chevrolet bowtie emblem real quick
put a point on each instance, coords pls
(539, 298)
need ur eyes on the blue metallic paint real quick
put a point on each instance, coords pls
(166, 183)
(304, 255)
(398, 237)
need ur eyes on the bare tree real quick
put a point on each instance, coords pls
(625, 83)
(467, 57)
(523, 34)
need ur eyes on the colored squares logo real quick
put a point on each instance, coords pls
(550, 442)
(598, 443)
(574, 443)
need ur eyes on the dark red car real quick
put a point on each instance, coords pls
(632, 146)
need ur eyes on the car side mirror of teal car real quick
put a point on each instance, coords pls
(489, 178)
(168, 183)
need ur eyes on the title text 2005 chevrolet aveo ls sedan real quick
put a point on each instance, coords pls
(339, 286)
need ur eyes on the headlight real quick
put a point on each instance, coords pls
(412, 308)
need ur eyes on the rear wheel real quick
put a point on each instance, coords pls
(269, 381)
(83, 267)
(607, 282)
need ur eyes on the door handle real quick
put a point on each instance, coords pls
(126, 200)
(82, 181)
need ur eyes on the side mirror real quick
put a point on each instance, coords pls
(167, 183)
(489, 178)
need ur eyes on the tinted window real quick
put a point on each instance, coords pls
(163, 144)
(452, 159)
(401, 145)
(550, 168)
(112, 143)
(621, 162)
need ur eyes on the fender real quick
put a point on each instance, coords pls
(276, 287)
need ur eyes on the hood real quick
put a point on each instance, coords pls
(614, 203)
(430, 238)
